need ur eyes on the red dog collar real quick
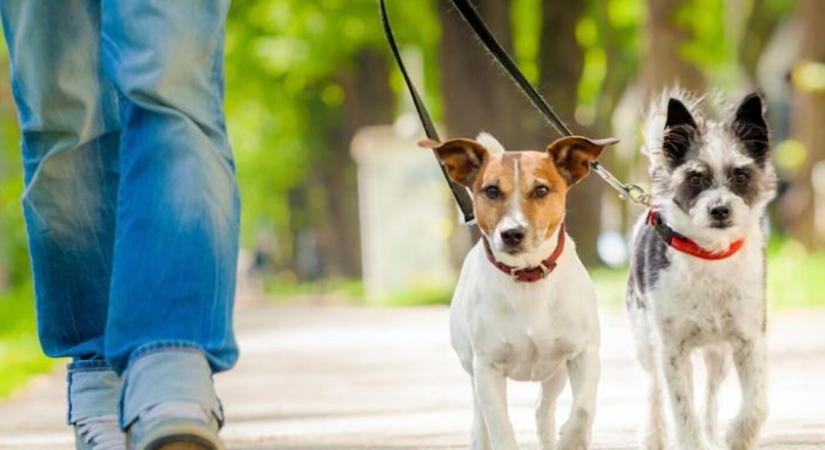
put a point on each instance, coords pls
(685, 245)
(529, 274)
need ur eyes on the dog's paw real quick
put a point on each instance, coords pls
(571, 444)
(653, 442)
(744, 432)
(697, 443)
(707, 445)
(573, 437)
(741, 438)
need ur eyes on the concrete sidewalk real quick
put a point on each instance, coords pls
(358, 378)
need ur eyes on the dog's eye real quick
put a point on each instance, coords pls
(741, 176)
(492, 192)
(695, 179)
(540, 192)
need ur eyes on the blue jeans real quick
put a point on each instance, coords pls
(131, 201)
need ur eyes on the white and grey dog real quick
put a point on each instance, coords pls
(697, 276)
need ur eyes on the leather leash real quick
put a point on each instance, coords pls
(633, 192)
(460, 193)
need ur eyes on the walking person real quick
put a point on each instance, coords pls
(132, 210)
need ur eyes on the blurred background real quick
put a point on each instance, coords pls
(339, 206)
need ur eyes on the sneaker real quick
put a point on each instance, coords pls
(99, 433)
(175, 425)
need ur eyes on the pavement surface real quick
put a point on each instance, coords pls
(345, 378)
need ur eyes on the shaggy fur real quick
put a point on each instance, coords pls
(711, 180)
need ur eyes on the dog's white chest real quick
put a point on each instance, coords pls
(529, 344)
(526, 330)
(712, 300)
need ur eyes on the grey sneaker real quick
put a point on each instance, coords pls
(99, 433)
(175, 425)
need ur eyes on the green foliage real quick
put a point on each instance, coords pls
(717, 30)
(20, 354)
(526, 31)
(284, 63)
(610, 34)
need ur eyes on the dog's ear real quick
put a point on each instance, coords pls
(572, 155)
(680, 130)
(462, 159)
(750, 127)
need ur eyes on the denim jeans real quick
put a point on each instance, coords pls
(131, 202)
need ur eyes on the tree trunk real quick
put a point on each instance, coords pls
(367, 100)
(808, 223)
(478, 96)
(663, 67)
(561, 61)
(759, 28)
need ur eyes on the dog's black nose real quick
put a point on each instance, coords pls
(720, 213)
(513, 236)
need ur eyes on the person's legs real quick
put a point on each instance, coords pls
(70, 130)
(173, 282)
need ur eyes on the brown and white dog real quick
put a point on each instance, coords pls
(524, 307)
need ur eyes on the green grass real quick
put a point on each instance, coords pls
(286, 289)
(420, 296)
(610, 286)
(796, 279)
(349, 291)
(20, 354)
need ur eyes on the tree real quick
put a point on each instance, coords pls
(478, 96)
(561, 62)
(664, 66)
(808, 119)
(368, 100)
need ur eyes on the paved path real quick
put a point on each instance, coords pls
(355, 378)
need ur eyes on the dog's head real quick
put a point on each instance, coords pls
(518, 197)
(712, 178)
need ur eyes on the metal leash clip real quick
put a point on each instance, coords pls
(632, 192)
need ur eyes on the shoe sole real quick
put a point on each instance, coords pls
(180, 436)
(181, 443)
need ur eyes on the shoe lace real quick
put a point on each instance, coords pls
(101, 433)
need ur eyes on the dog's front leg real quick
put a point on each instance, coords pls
(677, 372)
(546, 409)
(584, 379)
(479, 437)
(491, 398)
(749, 358)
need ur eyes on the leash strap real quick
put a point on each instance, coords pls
(462, 197)
(634, 192)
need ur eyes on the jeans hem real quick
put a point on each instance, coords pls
(88, 365)
(179, 345)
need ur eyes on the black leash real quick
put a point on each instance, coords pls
(634, 192)
(465, 202)
(480, 28)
